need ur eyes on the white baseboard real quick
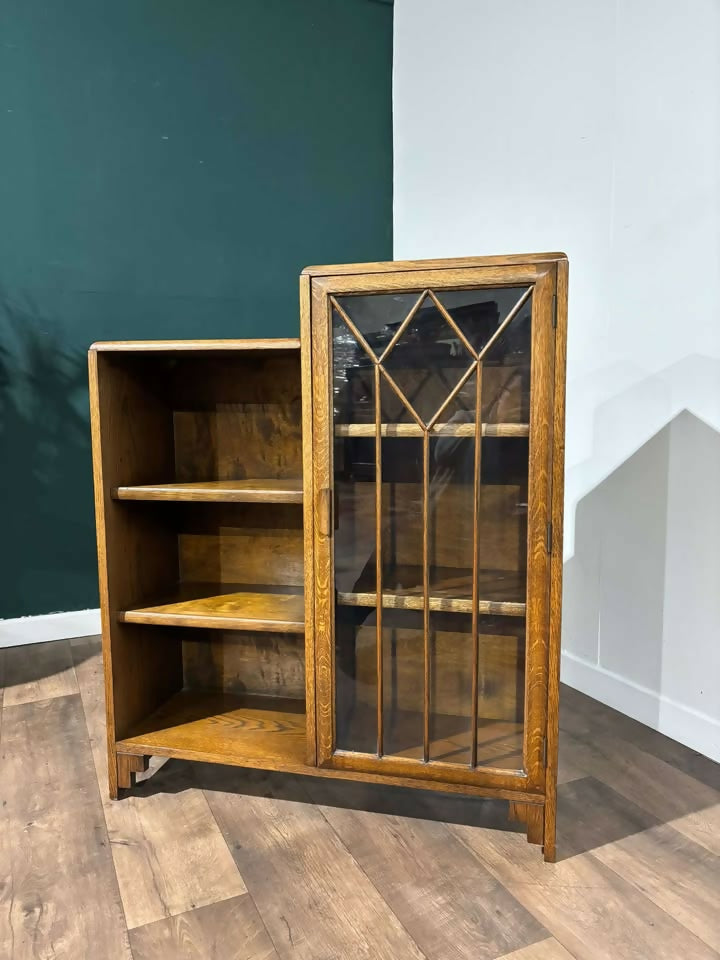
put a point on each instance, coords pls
(49, 626)
(691, 727)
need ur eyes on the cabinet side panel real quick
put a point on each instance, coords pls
(556, 561)
(539, 512)
(98, 489)
(137, 548)
(308, 552)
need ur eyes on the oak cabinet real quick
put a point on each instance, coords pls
(436, 453)
(404, 464)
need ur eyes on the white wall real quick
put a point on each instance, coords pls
(595, 129)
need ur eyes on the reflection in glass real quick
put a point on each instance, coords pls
(479, 313)
(353, 377)
(378, 315)
(428, 360)
(506, 372)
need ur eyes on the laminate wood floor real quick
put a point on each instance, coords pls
(217, 863)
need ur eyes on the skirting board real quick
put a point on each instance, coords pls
(49, 626)
(694, 729)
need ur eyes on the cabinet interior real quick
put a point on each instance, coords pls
(202, 469)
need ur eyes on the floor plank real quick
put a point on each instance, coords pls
(365, 871)
(38, 671)
(658, 787)
(548, 949)
(59, 891)
(582, 717)
(680, 876)
(313, 897)
(589, 908)
(450, 904)
(229, 930)
(169, 854)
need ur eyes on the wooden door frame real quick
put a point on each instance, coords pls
(316, 289)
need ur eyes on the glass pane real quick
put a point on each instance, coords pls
(502, 522)
(377, 316)
(353, 377)
(506, 372)
(393, 406)
(403, 683)
(501, 692)
(354, 541)
(428, 360)
(356, 679)
(452, 516)
(451, 669)
(479, 313)
(402, 512)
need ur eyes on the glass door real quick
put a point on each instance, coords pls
(433, 498)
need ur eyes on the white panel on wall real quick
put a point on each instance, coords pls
(595, 129)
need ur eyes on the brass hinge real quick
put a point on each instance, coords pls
(554, 311)
(548, 537)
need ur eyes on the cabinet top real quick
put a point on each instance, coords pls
(448, 263)
(288, 343)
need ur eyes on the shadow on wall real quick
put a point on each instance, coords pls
(641, 594)
(48, 542)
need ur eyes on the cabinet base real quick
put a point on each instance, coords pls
(533, 816)
(126, 766)
(123, 768)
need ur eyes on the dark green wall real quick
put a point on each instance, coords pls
(167, 167)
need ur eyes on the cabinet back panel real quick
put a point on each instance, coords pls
(238, 662)
(502, 529)
(195, 417)
(237, 419)
(241, 543)
(501, 669)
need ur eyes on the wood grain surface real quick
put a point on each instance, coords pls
(229, 930)
(218, 491)
(59, 891)
(429, 878)
(315, 899)
(222, 608)
(145, 346)
(167, 850)
(548, 949)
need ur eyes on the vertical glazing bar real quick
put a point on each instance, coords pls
(426, 596)
(378, 561)
(476, 548)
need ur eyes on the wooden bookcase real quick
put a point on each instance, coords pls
(342, 556)
(197, 454)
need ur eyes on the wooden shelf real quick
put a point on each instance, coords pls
(225, 606)
(439, 430)
(217, 491)
(400, 601)
(501, 593)
(220, 727)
